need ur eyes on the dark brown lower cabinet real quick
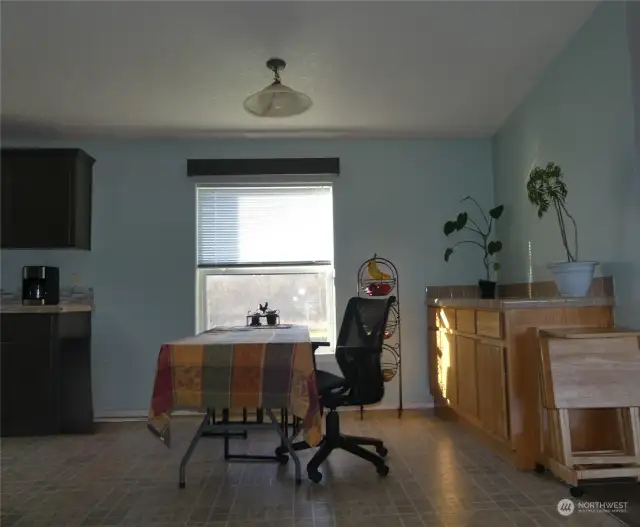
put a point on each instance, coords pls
(45, 369)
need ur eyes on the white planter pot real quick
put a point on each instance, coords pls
(573, 279)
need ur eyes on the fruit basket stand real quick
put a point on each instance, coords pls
(378, 278)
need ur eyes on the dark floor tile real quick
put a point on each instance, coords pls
(10, 519)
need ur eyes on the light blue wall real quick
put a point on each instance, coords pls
(392, 198)
(633, 32)
(580, 116)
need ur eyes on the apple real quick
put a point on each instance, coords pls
(379, 289)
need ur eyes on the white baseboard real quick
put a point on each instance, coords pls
(387, 407)
(119, 416)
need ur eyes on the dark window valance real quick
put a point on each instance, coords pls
(264, 167)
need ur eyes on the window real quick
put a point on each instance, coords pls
(266, 244)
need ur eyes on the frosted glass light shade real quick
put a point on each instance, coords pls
(277, 100)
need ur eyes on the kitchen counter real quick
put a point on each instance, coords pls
(520, 303)
(60, 308)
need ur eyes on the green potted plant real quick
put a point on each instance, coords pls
(270, 314)
(483, 235)
(547, 190)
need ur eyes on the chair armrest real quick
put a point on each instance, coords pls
(315, 344)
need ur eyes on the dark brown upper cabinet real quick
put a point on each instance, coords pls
(46, 198)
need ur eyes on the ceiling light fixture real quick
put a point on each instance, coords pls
(277, 99)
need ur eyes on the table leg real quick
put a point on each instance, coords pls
(282, 459)
(189, 452)
(288, 445)
(225, 435)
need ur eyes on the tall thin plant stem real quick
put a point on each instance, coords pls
(575, 228)
(563, 230)
(485, 237)
(481, 212)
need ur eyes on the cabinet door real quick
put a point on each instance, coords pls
(492, 389)
(434, 355)
(447, 367)
(29, 395)
(82, 190)
(467, 376)
(76, 397)
(36, 201)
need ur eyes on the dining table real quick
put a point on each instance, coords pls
(238, 367)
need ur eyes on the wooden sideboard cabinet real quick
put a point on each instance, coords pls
(483, 369)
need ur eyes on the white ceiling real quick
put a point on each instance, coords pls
(182, 69)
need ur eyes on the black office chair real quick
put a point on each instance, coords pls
(358, 353)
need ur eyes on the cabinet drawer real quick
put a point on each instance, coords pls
(26, 327)
(441, 317)
(489, 324)
(466, 320)
(446, 318)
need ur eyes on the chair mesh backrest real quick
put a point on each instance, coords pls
(364, 322)
(363, 327)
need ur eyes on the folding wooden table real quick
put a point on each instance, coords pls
(589, 368)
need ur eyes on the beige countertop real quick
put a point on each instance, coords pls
(519, 303)
(60, 308)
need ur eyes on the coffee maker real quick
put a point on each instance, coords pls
(40, 285)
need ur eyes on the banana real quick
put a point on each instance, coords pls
(374, 272)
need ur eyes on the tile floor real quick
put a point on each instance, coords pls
(123, 476)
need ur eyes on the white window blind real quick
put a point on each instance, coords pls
(242, 225)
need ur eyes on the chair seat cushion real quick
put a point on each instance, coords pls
(327, 382)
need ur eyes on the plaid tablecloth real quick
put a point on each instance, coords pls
(237, 368)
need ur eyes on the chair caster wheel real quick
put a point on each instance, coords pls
(382, 451)
(281, 451)
(539, 468)
(182, 485)
(283, 459)
(576, 492)
(383, 470)
(315, 476)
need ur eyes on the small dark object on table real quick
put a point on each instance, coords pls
(271, 316)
